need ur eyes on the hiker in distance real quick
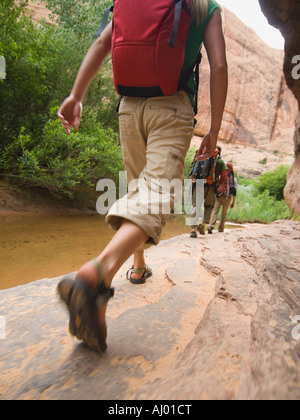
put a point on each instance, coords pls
(225, 198)
(156, 119)
(213, 185)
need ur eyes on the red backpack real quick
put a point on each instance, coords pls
(148, 45)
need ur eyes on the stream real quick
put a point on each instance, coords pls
(34, 246)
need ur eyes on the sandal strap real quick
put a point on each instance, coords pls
(138, 270)
(98, 267)
(133, 270)
(105, 292)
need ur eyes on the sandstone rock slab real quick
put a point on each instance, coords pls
(214, 322)
(147, 328)
(243, 346)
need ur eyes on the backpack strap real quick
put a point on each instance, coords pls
(104, 21)
(197, 77)
(179, 5)
(187, 76)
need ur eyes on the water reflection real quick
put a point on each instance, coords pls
(42, 245)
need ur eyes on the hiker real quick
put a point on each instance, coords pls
(225, 199)
(212, 186)
(155, 134)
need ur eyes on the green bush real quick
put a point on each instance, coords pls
(41, 61)
(64, 165)
(261, 200)
(41, 65)
(253, 207)
(274, 182)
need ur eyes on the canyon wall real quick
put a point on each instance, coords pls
(260, 108)
(285, 15)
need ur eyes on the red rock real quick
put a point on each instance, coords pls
(260, 108)
(285, 15)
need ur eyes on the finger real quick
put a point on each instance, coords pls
(205, 156)
(202, 150)
(76, 123)
(62, 118)
(64, 123)
(66, 126)
(67, 130)
(60, 115)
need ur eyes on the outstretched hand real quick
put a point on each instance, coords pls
(69, 114)
(208, 147)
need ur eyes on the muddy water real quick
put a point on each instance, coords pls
(34, 246)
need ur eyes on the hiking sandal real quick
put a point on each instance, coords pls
(147, 272)
(83, 304)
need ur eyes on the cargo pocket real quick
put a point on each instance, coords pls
(127, 126)
(176, 162)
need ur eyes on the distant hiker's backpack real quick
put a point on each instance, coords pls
(148, 45)
(231, 185)
(203, 169)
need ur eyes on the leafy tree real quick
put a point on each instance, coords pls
(83, 17)
(38, 60)
(64, 165)
(41, 64)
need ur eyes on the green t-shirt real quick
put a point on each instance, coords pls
(220, 167)
(194, 44)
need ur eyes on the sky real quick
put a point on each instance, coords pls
(250, 13)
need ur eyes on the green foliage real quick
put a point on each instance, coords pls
(263, 161)
(261, 200)
(83, 17)
(41, 65)
(274, 182)
(260, 208)
(65, 165)
(188, 162)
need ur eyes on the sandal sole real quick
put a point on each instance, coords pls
(142, 280)
(84, 313)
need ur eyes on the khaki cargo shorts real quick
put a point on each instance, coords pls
(155, 137)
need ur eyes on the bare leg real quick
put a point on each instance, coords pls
(139, 262)
(126, 242)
